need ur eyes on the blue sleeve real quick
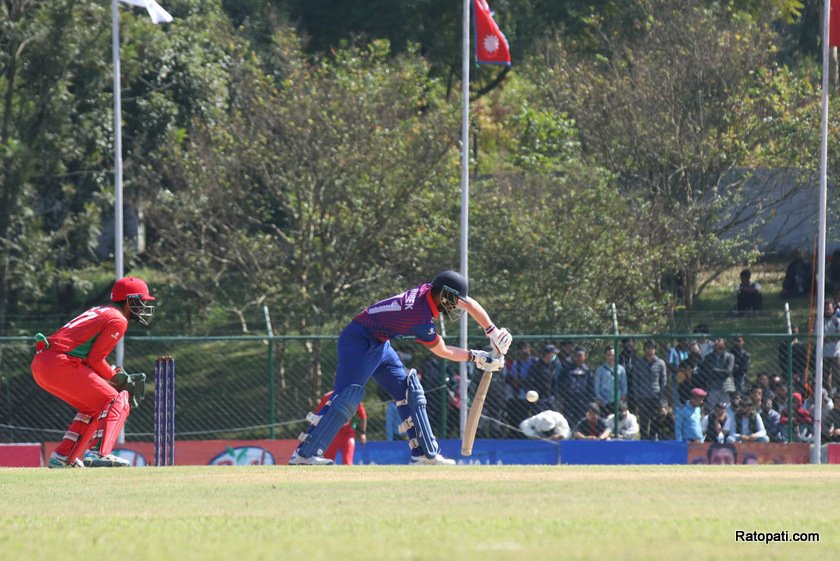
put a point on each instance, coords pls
(426, 333)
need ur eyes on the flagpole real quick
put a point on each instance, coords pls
(465, 196)
(118, 163)
(820, 327)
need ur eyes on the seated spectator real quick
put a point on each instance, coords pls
(715, 424)
(540, 378)
(803, 424)
(756, 397)
(628, 425)
(770, 417)
(687, 422)
(831, 422)
(746, 425)
(548, 424)
(592, 426)
(797, 281)
(748, 296)
(687, 378)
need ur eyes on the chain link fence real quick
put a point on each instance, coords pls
(252, 387)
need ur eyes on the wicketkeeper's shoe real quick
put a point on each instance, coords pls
(297, 460)
(97, 460)
(61, 462)
(437, 460)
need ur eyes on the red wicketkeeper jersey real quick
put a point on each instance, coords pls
(92, 336)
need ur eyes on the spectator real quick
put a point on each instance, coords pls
(716, 372)
(576, 385)
(517, 380)
(662, 426)
(796, 283)
(831, 422)
(756, 397)
(564, 354)
(780, 393)
(742, 363)
(748, 297)
(687, 423)
(715, 424)
(746, 425)
(801, 361)
(551, 425)
(832, 277)
(763, 382)
(831, 346)
(627, 357)
(676, 356)
(770, 417)
(649, 375)
(706, 345)
(628, 425)
(803, 424)
(541, 377)
(605, 382)
(592, 426)
(722, 454)
(687, 378)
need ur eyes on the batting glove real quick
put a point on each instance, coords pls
(487, 361)
(501, 339)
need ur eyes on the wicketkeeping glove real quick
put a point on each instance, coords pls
(501, 339)
(487, 361)
(134, 384)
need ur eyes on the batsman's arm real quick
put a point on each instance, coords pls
(476, 311)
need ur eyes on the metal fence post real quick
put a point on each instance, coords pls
(272, 378)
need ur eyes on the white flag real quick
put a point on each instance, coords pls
(156, 12)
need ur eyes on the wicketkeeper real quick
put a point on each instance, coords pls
(71, 364)
(364, 351)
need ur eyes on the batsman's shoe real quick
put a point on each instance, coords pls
(59, 462)
(437, 460)
(97, 460)
(298, 460)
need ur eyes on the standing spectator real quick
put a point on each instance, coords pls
(540, 379)
(676, 356)
(715, 424)
(649, 375)
(628, 425)
(771, 419)
(548, 424)
(564, 354)
(662, 425)
(592, 426)
(746, 425)
(605, 382)
(742, 363)
(627, 358)
(577, 389)
(687, 378)
(801, 361)
(748, 297)
(796, 283)
(716, 371)
(831, 422)
(706, 345)
(831, 346)
(687, 423)
(517, 380)
(832, 277)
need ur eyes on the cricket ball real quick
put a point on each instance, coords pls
(531, 396)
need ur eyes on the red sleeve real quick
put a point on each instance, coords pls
(112, 331)
(323, 401)
(361, 413)
(430, 344)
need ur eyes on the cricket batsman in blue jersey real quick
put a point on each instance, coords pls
(364, 350)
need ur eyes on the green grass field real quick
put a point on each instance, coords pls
(410, 513)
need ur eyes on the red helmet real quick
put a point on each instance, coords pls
(136, 292)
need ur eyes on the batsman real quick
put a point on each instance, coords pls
(71, 364)
(364, 350)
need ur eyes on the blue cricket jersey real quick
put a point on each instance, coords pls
(411, 313)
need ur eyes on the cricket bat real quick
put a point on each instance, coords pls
(474, 414)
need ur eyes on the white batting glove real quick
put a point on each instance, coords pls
(487, 361)
(501, 339)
